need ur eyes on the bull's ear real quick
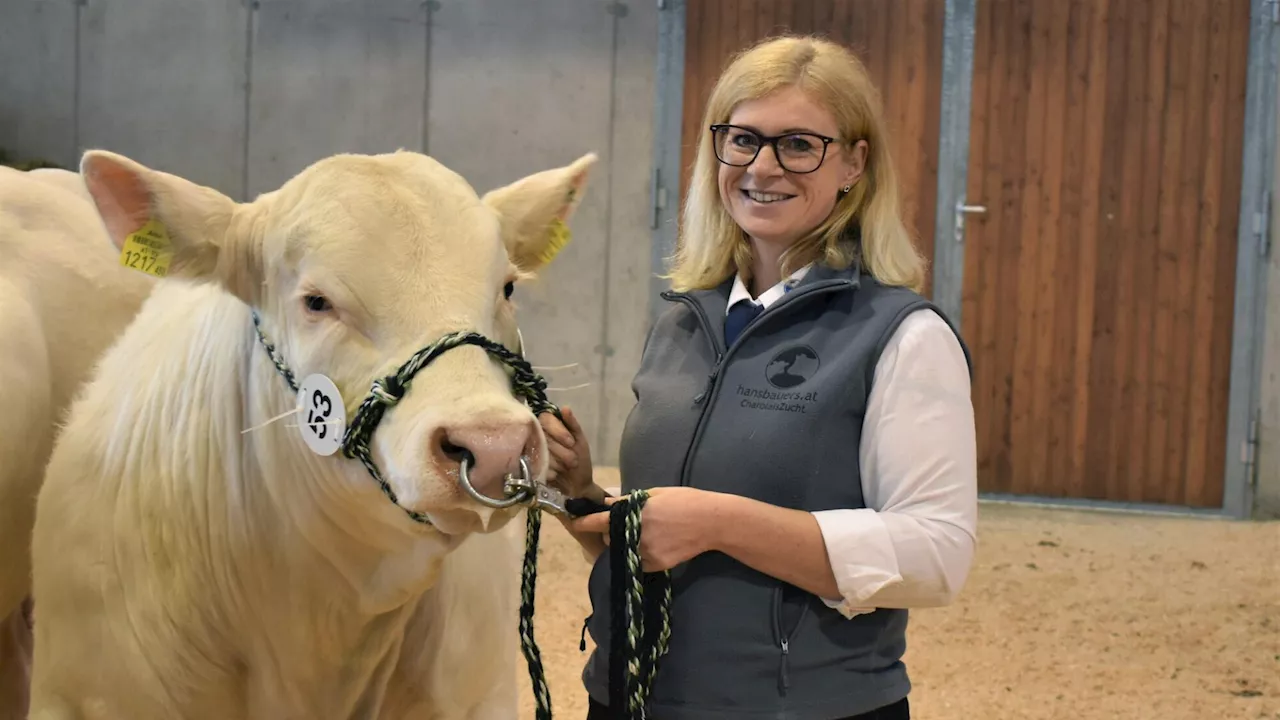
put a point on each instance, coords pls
(167, 226)
(535, 211)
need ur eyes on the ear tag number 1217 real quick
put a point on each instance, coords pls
(324, 417)
(148, 250)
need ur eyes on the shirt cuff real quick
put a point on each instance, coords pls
(862, 557)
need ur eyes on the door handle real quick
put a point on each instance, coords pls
(961, 210)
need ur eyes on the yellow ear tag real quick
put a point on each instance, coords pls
(560, 236)
(148, 250)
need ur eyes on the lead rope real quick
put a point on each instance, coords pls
(634, 654)
(624, 525)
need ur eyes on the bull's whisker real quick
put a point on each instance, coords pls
(279, 417)
(571, 387)
(545, 368)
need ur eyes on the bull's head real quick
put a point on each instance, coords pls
(353, 266)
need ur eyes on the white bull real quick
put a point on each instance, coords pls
(63, 299)
(185, 568)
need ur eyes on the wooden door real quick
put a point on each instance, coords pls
(1098, 289)
(900, 41)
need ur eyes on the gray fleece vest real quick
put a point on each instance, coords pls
(777, 417)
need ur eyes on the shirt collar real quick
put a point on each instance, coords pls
(768, 297)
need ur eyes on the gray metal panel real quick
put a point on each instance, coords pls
(37, 87)
(665, 194)
(333, 76)
(517, 88)
(627, 261)
(1267, 499)
(953, 154)
(163, 82)
(664, 200)
(1255, 188)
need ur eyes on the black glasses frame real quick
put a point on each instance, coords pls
(772, 141)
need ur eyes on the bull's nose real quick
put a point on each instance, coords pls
(494, 451)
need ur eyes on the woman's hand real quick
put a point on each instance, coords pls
(569, 454)
(680, 523)
(677, 524)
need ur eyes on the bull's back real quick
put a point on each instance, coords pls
(60, 265)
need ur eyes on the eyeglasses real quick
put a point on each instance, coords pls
(796, 152)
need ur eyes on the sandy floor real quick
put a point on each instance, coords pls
(1067, 615)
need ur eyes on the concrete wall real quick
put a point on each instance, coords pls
(1267, 498)
(241, 94)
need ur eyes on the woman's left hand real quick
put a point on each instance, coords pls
(677, 524)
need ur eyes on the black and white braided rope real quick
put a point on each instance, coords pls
(386, 392)
(640, 631)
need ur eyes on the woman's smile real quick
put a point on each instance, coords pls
(759, 197)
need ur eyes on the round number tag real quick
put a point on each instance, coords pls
(323, 419)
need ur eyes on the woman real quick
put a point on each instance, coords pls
(803, 420)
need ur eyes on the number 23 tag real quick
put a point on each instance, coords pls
(324, 416)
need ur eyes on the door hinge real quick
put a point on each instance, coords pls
(662, 4)
(1274, 6)
(1251, 449)
(1262, 227)
(658, 194)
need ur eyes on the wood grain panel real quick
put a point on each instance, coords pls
(1061, 464)
(1131, 462)
(900, 42)
(1105, 142)
(1052, 24)
(1130, 23)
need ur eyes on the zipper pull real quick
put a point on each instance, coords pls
(582, 643)
(711, 380)
(784, 681)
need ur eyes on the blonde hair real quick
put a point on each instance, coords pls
(712, 247)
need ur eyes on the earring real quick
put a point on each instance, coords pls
(847, 188)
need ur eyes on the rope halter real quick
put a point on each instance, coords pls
(386, 392)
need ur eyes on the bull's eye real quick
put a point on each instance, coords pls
(508, 289)
(317, 303)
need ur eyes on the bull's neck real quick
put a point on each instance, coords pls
(342, 572)
(334, 517)
(276, 562)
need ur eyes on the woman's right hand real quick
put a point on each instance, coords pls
(569, 454)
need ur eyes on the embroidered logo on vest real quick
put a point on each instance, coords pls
(792, 367)
(788, 370)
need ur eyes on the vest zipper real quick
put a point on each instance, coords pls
(711, 381)
(784, 638)
(784, 681)
(712, 387)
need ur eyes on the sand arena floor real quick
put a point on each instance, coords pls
(1066, 616)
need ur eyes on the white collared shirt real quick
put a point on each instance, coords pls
(768, 297)
(913, 544)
